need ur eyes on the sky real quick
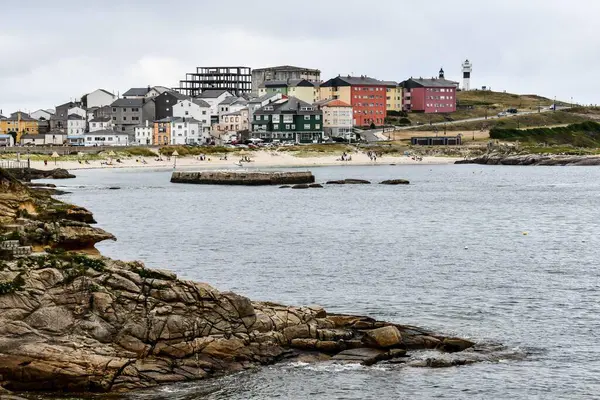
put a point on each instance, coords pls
(54, 52)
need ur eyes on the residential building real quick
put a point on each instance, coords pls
(337, 118)
(136, 93)
(41, 114)
(232, 104)
(76, 140)
(58, 121)
(433, 95)
(166, 102)
(236, 80)
(302, 89)
(187, 131)
(107, 137)
(97, 98)
(367, 96)
(101, 123)
(156, 91)
(393, 96)
(143, 133)
(20, 123)
(261, 101)
(214, 98)
(288, 119)
(235, 121)
(129, 113)
(43, 126)
(55, 138)
(162, 132)
(197, 109)
(76, 124)
(282, 73)
(32, 139)
(7, 140)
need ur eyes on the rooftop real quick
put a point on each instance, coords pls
(212, 93)
(128, 103)
(102, 118)
(200, 102)
(288, 105)
(287, 68)
(139, 92)
(23, 117)
(353, 81)
(106, 132)
(332, 103)
(433, 82)
(75, 116)
(289, 83)
(32, 136)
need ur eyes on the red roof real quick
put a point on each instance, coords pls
(336, 103)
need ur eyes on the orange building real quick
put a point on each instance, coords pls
(162, 131)
(20, 123)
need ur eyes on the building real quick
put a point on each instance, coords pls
(41, 115)
(367, 96)
(197, 109)
(101, 123)
(76, 124)
(435, 95)
(156, 91)
(32, 140)
(288, 119)
(76, 140)
(231, 104)
(98, 98)
(261, 101)
(187, 131)
(236, 80)
(235, 121)
(162, 132)
(143, 133)
(393, 98)
(129, 113)
(55, 138)
(7, 141)
(467, 68)
(337, 118)
(214, 98)
(302, 89)
(436, 141)
(282, 73)
(136, 93)
(58, 121)
(107, 138)
(166, 102)
(19, 123)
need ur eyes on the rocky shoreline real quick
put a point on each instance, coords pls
(72, 320)
(532, 159)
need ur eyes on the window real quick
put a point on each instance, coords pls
(114, 118)
(204, 112)
(187, 112)
(275, 126)
(293, 126)
(306, 126)
(317, 117)
(114, 110)
(307, 117)
(124, 118)
(287, 126)
(135, 109)
(317, 126)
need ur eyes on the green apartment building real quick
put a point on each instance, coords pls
(288, 120)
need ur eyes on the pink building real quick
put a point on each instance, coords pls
(435, 95)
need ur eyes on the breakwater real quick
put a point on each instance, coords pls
(255, 178)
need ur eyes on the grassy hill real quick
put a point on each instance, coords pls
(585, 134)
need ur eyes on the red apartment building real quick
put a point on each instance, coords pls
(367, 96)
(435, 95)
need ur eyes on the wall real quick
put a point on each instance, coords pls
(369, 104)
(183, 132)
(394, 99)
(188, 109)
(75, 127)
(99, 98)
(343, 93)
(162, 133)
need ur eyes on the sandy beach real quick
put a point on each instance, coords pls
(267, 159)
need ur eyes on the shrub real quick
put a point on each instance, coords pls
(140, 152)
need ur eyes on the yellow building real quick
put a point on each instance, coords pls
(393, 96)
(343, 93)
(302, 89)
(20, 123)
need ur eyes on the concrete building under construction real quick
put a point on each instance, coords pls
(236, 80)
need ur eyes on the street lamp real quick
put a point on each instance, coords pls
(174, 155)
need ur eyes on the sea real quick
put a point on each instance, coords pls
(495, 254)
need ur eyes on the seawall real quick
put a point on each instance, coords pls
(255, 178)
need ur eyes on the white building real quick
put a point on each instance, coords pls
(197, 109)
(214, 97)
(187, 131)
(143, 134)
(7, 141)
(31, 139)
(76, 124)
(101, 123)
(107, 138)
(231, 104)
(259, 102)
(39, 114)
(338, 118)
(98, 98)
(55, 138)
(77, 110)
(156, 91)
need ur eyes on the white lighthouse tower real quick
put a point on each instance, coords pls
(467, 67)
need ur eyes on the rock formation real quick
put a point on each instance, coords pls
(74, 322)
(27, 174)
(532, 159)
(253, 178)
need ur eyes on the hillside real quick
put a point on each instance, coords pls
(585, 134)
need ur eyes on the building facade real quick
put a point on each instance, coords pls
(129, 113)
(282, 73)
(98, 98)
(144, 133)
(101, 123)
(41, 114)
(162, 132)
(197, 109)
(302, 89)
(19, 123)
(393, 99)
(166, 102)
(187, 131)
(290, 120)
(76, 125)
(337, 118)
(367, 96)
(107, 138)
(214, 98)
(236, 80)
(429, 95)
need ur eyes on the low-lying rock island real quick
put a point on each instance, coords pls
(79, 323)
(253, 178)
(533, 159)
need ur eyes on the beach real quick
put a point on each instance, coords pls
(265, 159)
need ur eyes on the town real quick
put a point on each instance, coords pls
(218, 105)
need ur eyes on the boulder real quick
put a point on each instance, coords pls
(395, 182)
(349, 182)
(315, 185)
(301, 186)
(386, 337)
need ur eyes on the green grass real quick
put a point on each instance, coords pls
(195, 151)
(585, 134)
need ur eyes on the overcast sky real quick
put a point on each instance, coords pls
(54, 51)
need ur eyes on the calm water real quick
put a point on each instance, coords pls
(394, 253)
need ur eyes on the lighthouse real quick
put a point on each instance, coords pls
(467, 67)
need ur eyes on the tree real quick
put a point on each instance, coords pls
(372, 126)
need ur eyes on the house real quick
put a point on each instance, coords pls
(367, 96)
(101, 123)
(232, 104)
(162, 132)
(129, 113)
(136, 93)
(261, 101)
(214, 97)
(435, 95)
(288, 119)
(187, 131)
(7, 141)
(76, 140)
(76, 124)
(35, 140)
(393, 96)
(41, 114)
(282, 73)
(302, 89)
(165, 102)
(157, 91)
(55, 138)
(337, 118)
(235, 121)
(20, 123)
(98, 98)
(58, 121)
(194, 108)
(143, 133)
(107, 137)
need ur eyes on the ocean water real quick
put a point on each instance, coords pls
(494, 254)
